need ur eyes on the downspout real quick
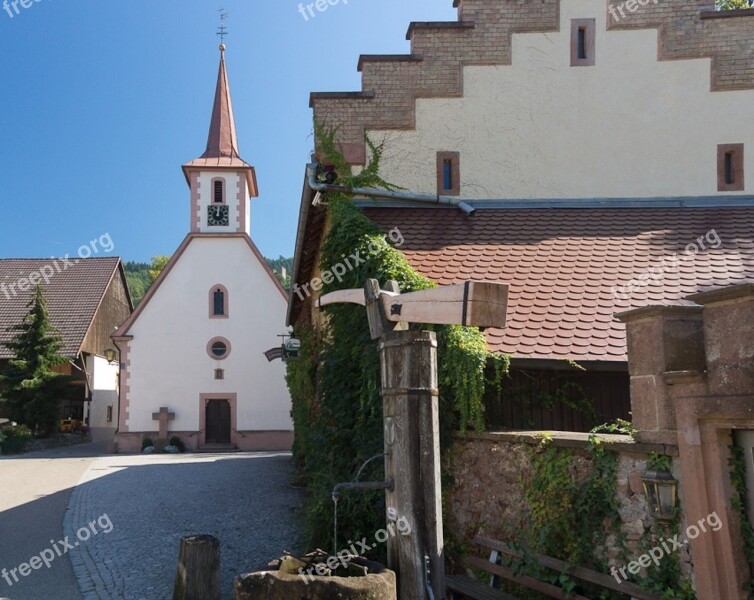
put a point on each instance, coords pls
(315, 185)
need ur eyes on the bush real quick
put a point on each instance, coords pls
(13, 439)
(178, 443)
(146, 443)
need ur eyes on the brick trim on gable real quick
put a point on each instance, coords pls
(482, 36)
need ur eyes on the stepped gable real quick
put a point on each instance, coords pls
(692, 29)
(687, 29)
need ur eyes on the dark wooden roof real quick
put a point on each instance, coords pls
(73, 296)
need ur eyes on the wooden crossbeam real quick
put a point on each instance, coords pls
(605, 581)
(474, 303)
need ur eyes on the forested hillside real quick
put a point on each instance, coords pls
(139, 279)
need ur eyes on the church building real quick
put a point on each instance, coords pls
(192, 353)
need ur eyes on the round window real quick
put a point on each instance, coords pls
(218, 348)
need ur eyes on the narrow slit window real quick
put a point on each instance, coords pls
(219, 195)
(219, 373)
(448, 174)
(583, 42)
(730, 168)
(109, 413)
(730, 178)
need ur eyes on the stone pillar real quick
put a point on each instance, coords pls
(729, 338)
(692, 370)
(660, 339)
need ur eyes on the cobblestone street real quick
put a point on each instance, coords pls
(243, 499)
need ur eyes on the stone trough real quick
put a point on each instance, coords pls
(310, 577)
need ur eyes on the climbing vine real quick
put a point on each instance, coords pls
(738, 479)
(571, 514)
(335, 386)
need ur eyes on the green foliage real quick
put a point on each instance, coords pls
(739, 502)
(659, 462)
(733, 4)
(619, 427)
(177, 442)
(335, 385)
(137, 276)
(146, 443)
(29, 387)
(278, 265)
(158, 264)
(13, 439)
(572, 515)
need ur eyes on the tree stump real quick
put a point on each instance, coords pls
(198, 574)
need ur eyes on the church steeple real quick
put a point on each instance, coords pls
(221, 181)
(222, 141)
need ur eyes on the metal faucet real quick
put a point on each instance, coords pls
(362, 485)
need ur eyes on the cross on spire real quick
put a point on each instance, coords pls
(222, 30)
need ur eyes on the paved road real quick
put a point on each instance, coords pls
(142, 505)
(34, 492)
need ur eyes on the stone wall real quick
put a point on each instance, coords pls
(488, 493)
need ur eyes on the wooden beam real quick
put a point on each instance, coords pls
(474, 303)
(582, 573)
(533, 584)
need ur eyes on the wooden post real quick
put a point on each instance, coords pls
(198, 574)
(411, 414)
(412, 447)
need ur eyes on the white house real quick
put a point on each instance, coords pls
(192, 351)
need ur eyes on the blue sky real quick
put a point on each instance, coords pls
(103, 101)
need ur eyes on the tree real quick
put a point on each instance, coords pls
(158, 264)
(734, 4)
(30, 388)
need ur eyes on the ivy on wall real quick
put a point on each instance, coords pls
(337, 409)
(738, 479)
(571, 515)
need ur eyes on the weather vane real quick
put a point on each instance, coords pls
(222, 31)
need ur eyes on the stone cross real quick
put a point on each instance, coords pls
(163, 417)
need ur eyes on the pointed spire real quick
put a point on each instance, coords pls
(222, 141)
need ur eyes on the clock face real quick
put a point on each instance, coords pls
(217, 216)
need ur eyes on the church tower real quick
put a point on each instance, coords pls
(221, 182)
(192, 352)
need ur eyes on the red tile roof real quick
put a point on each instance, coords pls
(73, 296)
(563, 265)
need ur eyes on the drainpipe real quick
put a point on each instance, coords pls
(387, 194)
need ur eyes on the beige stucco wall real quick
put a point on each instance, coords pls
(629, 126)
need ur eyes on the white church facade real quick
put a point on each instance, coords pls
(192, 353)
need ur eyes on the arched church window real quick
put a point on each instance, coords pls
(218, 302)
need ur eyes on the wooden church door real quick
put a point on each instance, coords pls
(218, 422)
